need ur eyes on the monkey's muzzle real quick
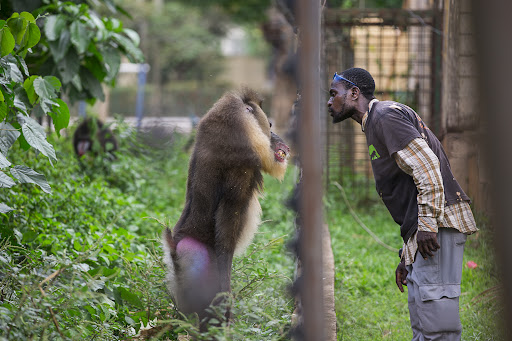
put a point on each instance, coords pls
(281, 152)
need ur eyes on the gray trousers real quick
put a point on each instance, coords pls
(433, 287)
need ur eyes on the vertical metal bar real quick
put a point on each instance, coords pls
(141, 83)
(310, 152)
(493, 24)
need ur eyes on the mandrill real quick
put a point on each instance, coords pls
(233, 146)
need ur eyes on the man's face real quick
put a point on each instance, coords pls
(338, 105)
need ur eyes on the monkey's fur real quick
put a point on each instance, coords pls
(233, 146)
(93, 136)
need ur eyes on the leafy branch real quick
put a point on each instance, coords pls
(20, 95)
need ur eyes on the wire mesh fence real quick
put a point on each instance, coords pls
(402, 51)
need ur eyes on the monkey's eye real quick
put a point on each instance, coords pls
(270, 124)
(249, 109)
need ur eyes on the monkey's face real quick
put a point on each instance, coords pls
(272, 150)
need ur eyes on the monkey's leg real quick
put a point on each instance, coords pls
(197, 276)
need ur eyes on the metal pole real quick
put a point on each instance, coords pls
(141, 83)
(310, 153)
(493, 24)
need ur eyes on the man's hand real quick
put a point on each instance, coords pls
(401, 275)
(427, 243)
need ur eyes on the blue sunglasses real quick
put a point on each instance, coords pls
(341, 78)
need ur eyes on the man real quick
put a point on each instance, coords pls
(414, 180)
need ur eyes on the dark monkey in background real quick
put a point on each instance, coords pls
(93, 136)
(233, 146)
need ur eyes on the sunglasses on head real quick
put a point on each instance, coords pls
(341, 78)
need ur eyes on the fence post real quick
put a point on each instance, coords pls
(310, 204)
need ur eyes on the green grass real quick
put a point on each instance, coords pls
(85, 262)
(369, 305)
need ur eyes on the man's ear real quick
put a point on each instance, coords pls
(355, 92)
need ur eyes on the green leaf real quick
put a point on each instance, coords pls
(53, 26)
(128, 296)
(54, 81)
(7, 42)
(60, 47)
(80, 36)
(28, 16)
(91, 84)
(6, 181)
(15, 73)
(112, 62)
(18, 26)
(60, 115)
(36, 137)
(8, 135)
(69, 66)
(134, 36)
(4, 208)
(4, 163)
(23, 64)
(133, 52)
(27, 175)
(45, 88)
(33, 36)
(29, 88)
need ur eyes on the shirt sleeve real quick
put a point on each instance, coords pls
(420, 162)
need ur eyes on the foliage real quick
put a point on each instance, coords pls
(85, 262)
(83, 49)
(20, 95)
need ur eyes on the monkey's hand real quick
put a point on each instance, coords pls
(401, 275)
(427, 243)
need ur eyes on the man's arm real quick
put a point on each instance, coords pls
(420, 162)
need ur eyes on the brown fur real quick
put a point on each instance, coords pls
(233, 146)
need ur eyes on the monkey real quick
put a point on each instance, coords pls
(92, 136)
(234, 145)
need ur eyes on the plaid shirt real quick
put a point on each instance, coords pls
(418, 160)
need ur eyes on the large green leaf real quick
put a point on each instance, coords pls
(4, 163)
(133, 53)
(60, 115)
(91, 84)
(45, 88)
(112, 62)
(7, 42)
(4, 208)
(6, 181)
(15, 73)
(60, 47)
(8, 135)
(53, 26)
(27, 175)
(35, 136)
(80, 36)
(18, 26)
(32, 36)
(69, 66)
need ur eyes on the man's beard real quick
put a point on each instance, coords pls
(348, 114)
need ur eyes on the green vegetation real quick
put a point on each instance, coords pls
(369, 305)
(85, 261)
